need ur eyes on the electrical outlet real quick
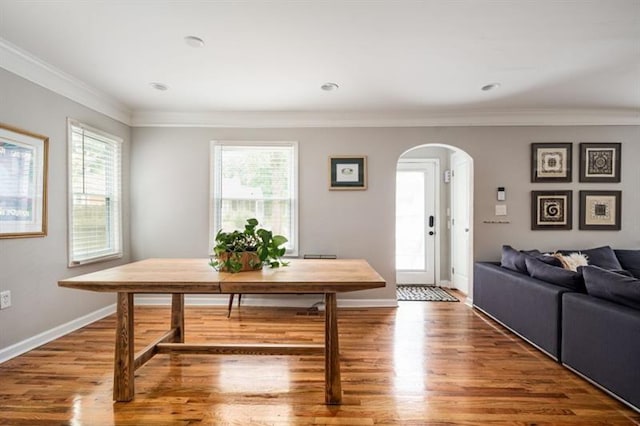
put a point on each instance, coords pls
(5, 299)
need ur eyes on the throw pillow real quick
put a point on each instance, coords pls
(513, 259)
(630, 260)
(604, 257)
(555, 275)
(611, 286)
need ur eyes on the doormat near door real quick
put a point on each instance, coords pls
(423, 294)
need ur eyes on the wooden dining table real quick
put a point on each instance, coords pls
(195, 276)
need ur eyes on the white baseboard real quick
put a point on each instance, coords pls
(56, 332)
(302, 301)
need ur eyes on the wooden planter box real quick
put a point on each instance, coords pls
(249, 259)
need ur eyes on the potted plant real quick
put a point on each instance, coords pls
(247, 250)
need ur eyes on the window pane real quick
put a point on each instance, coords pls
(410, 230)
(255, 181)
(95, 182)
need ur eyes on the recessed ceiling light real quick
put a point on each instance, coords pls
(328, 87)
(194, 41)
(490, 87)
(159, 86)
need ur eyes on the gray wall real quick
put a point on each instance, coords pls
(170, 189)
(31, 267)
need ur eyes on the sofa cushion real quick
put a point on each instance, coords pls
(630, 260)
(514, 260)
(612, 286)
(554, 274)
(603, 257)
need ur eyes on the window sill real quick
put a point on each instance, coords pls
(98, 259)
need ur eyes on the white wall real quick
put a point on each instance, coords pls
(170, 189)
(31, 267)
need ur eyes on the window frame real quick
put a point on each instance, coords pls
(215, 186)
(118, 252)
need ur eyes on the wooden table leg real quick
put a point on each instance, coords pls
(177, 316)
(333, 386)
(123, 368)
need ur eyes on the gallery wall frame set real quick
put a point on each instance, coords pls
(348, 172)
(23, 183)
(600, 162)
(600, 210)
(551, 210)
(551, 162)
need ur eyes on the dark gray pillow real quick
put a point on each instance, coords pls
(604, 257)
(555, 275)
(630, 260)
(514, 259)
(611, 286)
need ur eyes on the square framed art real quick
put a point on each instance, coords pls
(551, 210)
(551, 162)
(348, 172)
(600, 162)
(600, 210)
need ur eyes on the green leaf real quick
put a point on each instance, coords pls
(279, 240)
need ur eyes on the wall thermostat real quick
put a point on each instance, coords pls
(502, 195)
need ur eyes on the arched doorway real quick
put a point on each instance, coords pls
(434, 217)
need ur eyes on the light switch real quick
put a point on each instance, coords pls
(501, 209)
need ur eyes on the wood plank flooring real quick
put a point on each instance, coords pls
(420, 364)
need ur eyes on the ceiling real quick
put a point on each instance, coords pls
(388, 57)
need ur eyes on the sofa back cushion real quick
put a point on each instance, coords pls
(630, 260)
(604, 257)
(555, 274)
(611, 286)
(515, 260)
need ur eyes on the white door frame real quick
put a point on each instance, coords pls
(436, 225)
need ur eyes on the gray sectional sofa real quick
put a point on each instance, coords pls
(588, 320)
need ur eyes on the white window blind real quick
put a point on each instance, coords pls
(95, 207)
(255, 179)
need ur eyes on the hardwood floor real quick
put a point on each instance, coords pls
(420, 364)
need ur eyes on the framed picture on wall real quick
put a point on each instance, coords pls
(600, 210)
(600, 162)
(23, 183)
(551, 210)
(551, 162)
(348, 172)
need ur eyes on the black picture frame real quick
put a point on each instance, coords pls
(551, 162)
(348, 172)
(551, 210)
(600, 210)
(600, 162)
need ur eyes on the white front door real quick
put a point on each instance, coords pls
(416, 221)
(461, 221)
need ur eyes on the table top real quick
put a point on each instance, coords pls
(197, 276)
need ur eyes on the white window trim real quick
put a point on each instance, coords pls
(213, 226)
(102, 258)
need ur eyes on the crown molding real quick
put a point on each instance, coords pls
(31, 68)
(512, 117)
(28, 66)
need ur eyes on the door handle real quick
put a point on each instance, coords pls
(431, 222)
